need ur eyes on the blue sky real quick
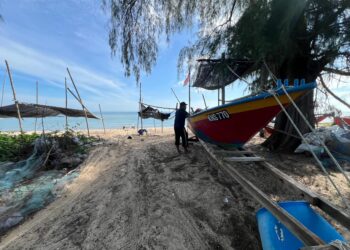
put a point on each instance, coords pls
(40, 38)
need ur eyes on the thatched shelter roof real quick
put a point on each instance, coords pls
(38, 110)
(214, 73)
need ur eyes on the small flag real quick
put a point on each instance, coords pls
(187, 80)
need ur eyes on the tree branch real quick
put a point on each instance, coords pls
(334, 95)
(336, 71)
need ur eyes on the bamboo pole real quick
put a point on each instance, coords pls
(14, 97)
(43, 127)
(218, 97)
(205, 103)
(153, 106)
(154, 125)
(80, 100)
(223, 95)
(66, 93)
(189, 90)
(103, 123)
(71, 92)
(141, 106)
(175, 95)
(76, 98)
(3, 90)
(37, 102)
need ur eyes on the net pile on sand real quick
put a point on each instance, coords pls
(24, 189)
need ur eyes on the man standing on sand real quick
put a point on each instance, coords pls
(179, 127)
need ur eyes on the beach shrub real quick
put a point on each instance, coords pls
(14, 147)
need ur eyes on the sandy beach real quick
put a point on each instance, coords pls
(140, 193)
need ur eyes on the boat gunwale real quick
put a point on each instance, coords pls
(290, 89)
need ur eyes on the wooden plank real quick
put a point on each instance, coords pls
(298, 229)
(324, 247)
(244, 159)
(233, 152)
(312, 197)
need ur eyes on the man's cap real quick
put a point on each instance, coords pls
(183, 103)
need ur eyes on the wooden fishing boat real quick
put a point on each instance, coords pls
(234, 123)
(337, 120)
(341, 121)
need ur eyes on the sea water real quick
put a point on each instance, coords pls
(111, 120)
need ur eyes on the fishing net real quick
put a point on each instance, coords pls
(24, 189)
(149, 112)
(336, 138)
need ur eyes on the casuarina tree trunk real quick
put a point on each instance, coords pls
(299, 67)
(284, 141)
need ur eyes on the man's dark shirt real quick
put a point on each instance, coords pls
(180, 117)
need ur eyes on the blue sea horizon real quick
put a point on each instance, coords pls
(112, 120)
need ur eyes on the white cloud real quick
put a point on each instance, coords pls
(53, 69)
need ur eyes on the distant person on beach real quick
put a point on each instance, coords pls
(179, 127)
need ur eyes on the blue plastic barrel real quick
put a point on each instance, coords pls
(274, 235)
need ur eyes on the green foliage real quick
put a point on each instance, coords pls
(76, 142)
(297, 38)
(17, 147)
(136, 27)
(12, 147)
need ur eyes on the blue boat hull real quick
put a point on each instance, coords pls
(274, 235)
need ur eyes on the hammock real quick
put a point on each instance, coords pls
(149, 112)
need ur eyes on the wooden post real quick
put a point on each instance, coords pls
(14, 97)
(103, 123)
(154, 125)
(141, 107)
(218, 97)
(37, 102)
(43, 127)
(175, 95)
(223, 95)
(3, 90)
(66, 93)
(205, 103)
(189, 90)
(81, 102)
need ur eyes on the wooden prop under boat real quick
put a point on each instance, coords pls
(234, 123)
